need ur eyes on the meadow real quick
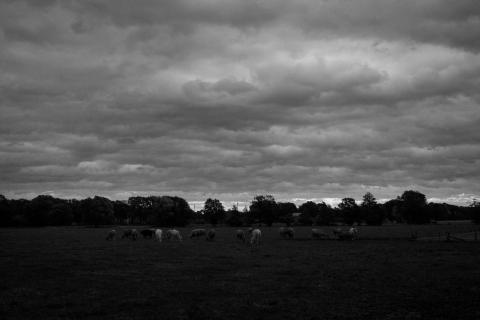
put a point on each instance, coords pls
(74, 273)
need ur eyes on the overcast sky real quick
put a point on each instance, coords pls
(228, 99)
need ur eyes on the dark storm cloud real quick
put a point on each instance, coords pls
(428, 21)
(227, 99)
(435, 21)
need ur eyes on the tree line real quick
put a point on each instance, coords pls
(167, 211)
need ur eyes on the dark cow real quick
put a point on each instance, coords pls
(240, 234)
(210, 235)
(147, 233)
(319, 234)
(349, 234)
(287, 233)
(197, 233)
(131, 234)
(111, 235)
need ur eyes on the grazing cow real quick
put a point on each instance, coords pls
(158, 235)
(147, 233)
(210, 235)
(354, 231)
(134, 234)
(319, 234)
(197, 233)
(240, 234)
(131, 234)
(127, 234)
(349, 234)
(111, 235)
(255, 237)
(286, 232)
(174, 234)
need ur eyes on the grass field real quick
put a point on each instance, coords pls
(73, 273)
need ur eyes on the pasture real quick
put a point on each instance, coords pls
(74, 273)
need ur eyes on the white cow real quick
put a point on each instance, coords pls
(255, 237)
(319, 234)
(286, 232)
(174, 234)
(111, 234)
(354, 231)
(196, 233)
(158, 235)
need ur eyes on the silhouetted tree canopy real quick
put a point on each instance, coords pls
(285, 212)
(393, 210)
(349, 211)
(371, 212)
(309, 211)
(97, 211)
(326, 215)
(264, 209)
(234, 218)
(168, 211)
(414, 207)
(213, 211)
(475, 211)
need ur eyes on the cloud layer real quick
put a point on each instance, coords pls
(227, 99)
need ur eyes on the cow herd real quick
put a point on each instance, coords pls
(200, 233)
(249, 236)
(156, 234)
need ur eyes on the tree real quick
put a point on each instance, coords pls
(349, 211)
(47, 210)
(97, 211)
(122, 212)
(475, 211)
(264, 208)
(5, 212)
(310, 208)
(141, 208)
(393, 210)
(76, 206)
(369, 200)
(197, 217)
(39, 210)
(169, 211)
(439, 211)
(61, 214)
(19, 211)
(309, 211)
(234, 217)
(285, 212)
(213, 211)
(325, 215)
(248, 216)
(414, 207)
(371, 211)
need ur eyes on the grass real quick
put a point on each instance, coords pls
(73, 273)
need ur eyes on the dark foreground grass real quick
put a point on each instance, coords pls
(73, 273)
